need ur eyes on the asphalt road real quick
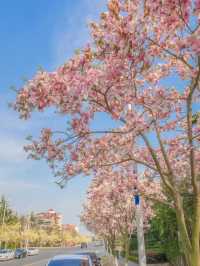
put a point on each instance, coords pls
(45, 254)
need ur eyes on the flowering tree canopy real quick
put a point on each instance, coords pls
(109, 210)
(142, 69)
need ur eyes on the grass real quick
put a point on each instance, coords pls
(133, 258)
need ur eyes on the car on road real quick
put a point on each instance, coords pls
(70, 260)
(32, 251)
(94, 258)
(83, 245)
(20, 253)
(6, 254)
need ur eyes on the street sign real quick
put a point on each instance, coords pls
(137, 199)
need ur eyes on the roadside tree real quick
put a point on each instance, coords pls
(110, 212)
(142, 70)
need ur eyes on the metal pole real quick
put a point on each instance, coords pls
(28, 230)
(140, 231)
(139, 218)
(3, 218)
(4, 214)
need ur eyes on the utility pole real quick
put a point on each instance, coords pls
(140, 230)
(140, 224)
(27, 231)
(139, 216)
(3, 216)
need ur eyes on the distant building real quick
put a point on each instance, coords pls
(49, 219)
(70, 228)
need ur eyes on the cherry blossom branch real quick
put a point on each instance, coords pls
(165, 180)
(107, 108)
(131, 159)
(189, 128)
(115, 163)
(197, 27)
(95, 132)
(105, 97)
(154, 199)
(172, 54)
(164, 152)
(182, 18)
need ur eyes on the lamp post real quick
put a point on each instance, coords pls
(140, 231)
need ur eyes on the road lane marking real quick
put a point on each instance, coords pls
(30, 264)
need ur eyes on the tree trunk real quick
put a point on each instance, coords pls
(195, 253)
(191, 247)
(183, 233)
(111, 246)
(180, 261)
(127, 246)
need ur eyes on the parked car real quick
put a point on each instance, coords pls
(70, 260)
(32, 251)
(6, 254)
(20, 253)
(95, 260)
(83, 245)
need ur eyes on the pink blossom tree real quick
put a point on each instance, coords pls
(110, 211)
(142, 69)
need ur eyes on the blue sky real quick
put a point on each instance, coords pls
(37, 33)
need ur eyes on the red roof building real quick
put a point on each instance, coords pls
(49, 219)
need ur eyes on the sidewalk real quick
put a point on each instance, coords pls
(109, 261)
(121, 261)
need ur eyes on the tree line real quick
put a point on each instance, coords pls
(25, 231)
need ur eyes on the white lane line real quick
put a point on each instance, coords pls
(33, 263)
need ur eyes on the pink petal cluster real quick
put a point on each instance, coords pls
(110, 210)
(142, 71)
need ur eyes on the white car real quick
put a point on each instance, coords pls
(6, 254)
(32, 251)
(70, 260)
